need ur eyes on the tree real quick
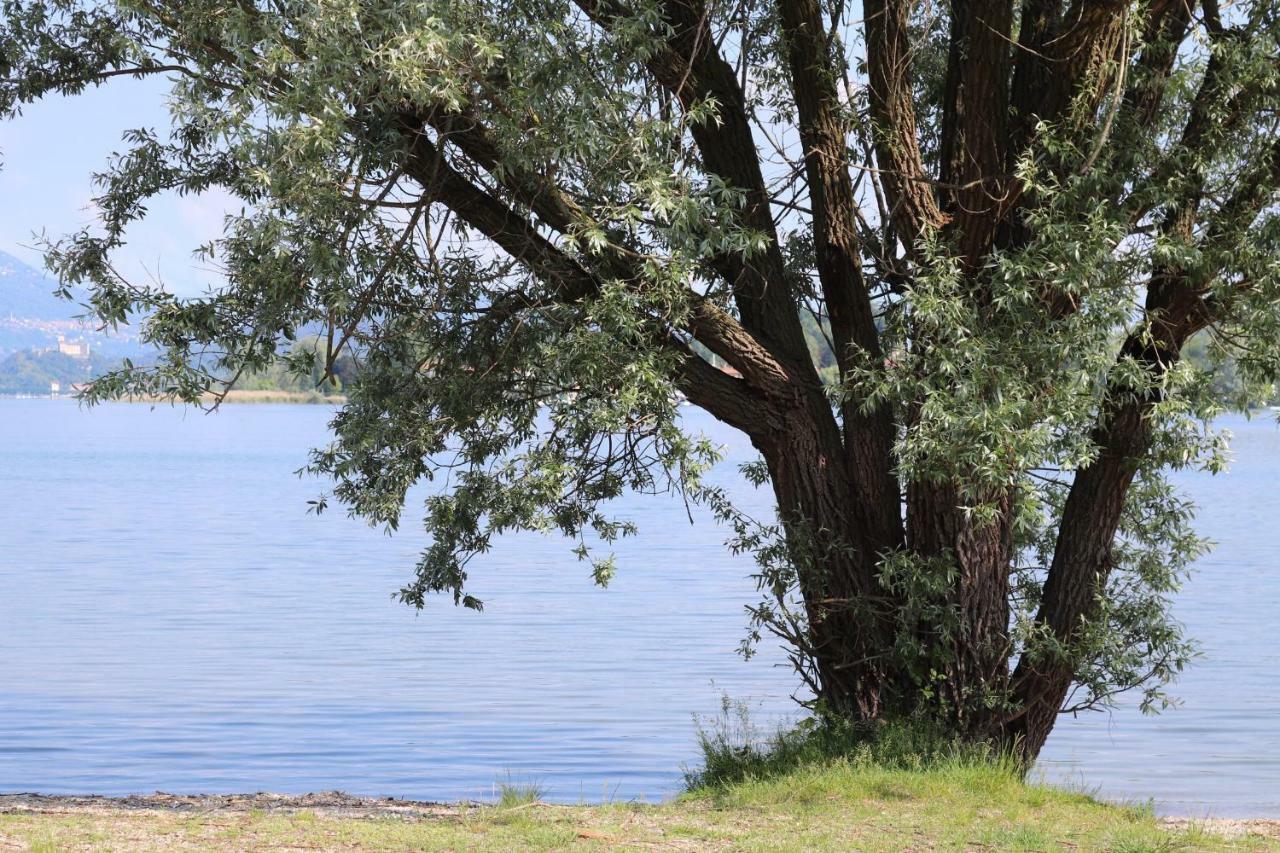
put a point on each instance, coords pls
(534, 221)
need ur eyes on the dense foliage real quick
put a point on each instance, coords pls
(536, 222)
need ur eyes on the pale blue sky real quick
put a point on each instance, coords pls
(49, 155)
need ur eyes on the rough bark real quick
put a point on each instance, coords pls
(977, 655)
(975, 110)
(913, 207)
(868, 436)
(844, 604)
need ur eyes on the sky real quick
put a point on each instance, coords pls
(47, 158)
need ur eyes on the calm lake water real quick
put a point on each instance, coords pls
(172, 619)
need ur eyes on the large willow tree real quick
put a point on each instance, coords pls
(937, 262)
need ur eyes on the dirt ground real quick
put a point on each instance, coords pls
(152, 822)
(328, 803)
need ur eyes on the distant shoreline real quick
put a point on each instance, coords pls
(234, 396)
(304, 397)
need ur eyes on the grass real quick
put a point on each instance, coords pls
(734, 749)
(846, 805)
(806, 789)
(514, 795)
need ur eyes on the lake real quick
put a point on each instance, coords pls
(172, 619)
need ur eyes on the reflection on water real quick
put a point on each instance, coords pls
(170, 618)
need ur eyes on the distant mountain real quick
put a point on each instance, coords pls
(32, 317)
(27, 292)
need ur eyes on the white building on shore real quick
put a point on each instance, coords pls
(75, 349)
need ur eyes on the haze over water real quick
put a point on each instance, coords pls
(172, 619)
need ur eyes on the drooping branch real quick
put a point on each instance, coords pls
(725, 399)
(689, 66)
(710, 325)
(514, 234)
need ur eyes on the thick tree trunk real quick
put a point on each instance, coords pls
(974, 658)
(838, 539)
(838, 493)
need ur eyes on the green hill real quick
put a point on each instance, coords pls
(32, 371)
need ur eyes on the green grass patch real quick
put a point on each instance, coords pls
(734, 749)
(807, 788)
(512, 795)
(849, 804)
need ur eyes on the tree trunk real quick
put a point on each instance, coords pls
(837, 538)
(973, 661)
(1081, 562)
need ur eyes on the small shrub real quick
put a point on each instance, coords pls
(513, 794)
(734, 749)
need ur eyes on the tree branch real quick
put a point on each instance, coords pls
(913, 207)
(689, 66)
(975, 110)
(708, 323)
(868, 437)
(571, 281)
